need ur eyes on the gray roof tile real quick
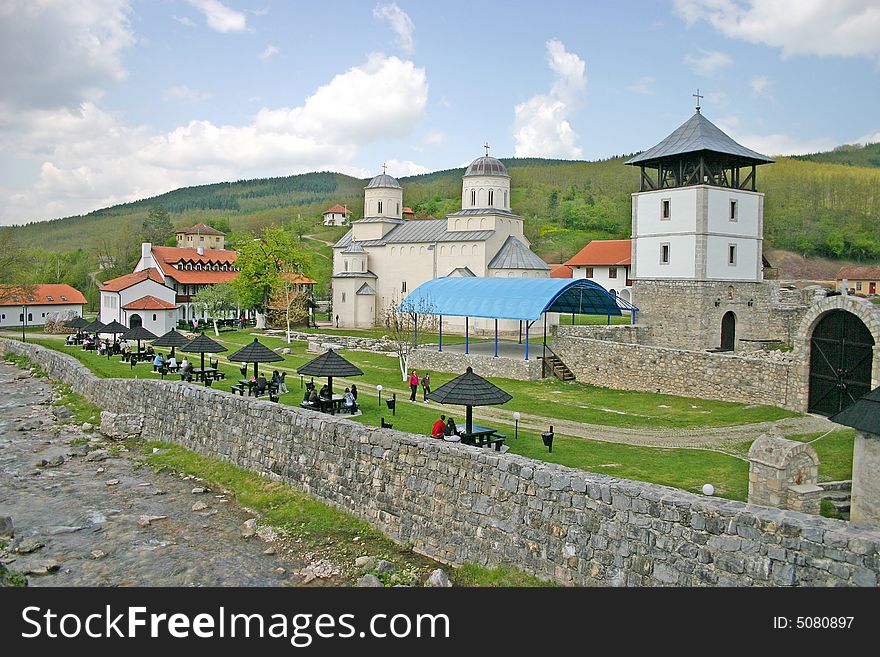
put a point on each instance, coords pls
(366, 289)
(513, 254)
(420, 230)
(355, 274)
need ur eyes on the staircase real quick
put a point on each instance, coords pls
(554, 365)
(839, 493)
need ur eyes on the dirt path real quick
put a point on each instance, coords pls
(81, 521)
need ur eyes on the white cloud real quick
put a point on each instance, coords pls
(183, 20)
(541, 126)
(435, 137)
(400, 22)
(401, 168)
(644, 86)
(773, 144)
(814, 27)
(220, 18)
(268, 53)
(870, 138)
(90, 158)
(707, 62)
(184, 93)
(760, 85)
(56, 53)
(717, 98)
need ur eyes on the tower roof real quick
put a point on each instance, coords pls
(486, 166)
(698, 134)
(383, 180)
(354, 247)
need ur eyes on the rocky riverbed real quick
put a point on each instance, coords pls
(84, 512)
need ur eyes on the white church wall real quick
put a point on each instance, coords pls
(647, 209)
(748, 209)
(746, 256)
(648, 252)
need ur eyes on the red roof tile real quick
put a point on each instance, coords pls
(149, 302)
(299, 278)
(40, 296)
(173, 254)
(124, 282)
(337, 208)
(197, 277)
(857, 273)
(603, 252)
(560, 271)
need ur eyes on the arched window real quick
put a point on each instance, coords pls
(412, 250)
(453, 250)
(474, 250)
(443, 250)
(457, 224)
(473, 198)
(491, 197)
(482, 224)
(380, 207)
(505, 199)
(346, 264)
(392, 251)
(398, 208)
(470, 224)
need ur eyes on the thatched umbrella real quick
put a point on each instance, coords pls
(138, 333)
(202, 345)
(93, 327)
(171, 339)
(113, 328)
(329, 364)
(469, 390)
(77, 323)
(255, 352)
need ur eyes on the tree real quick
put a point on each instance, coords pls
(291, 300)
(404, 321)
(216, 301)
(16, 280)
(157, 228)
(261, 261)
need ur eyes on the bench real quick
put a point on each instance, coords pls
(386, 425)
(238, 388)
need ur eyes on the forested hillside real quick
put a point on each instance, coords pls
(858, 155)
(818, 206)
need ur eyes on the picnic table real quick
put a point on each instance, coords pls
(482, 437)
(326, 405)
(251, 387)
(207, 373)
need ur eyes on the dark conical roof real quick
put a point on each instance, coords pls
(486, 166)
(329, 364)
(202, 345)
(77, 323)
(383, 180)
(863, 415)
(171, 339)
(138, 333)
(699, 134)
(93, 327)
(113, 327)
(469, 389)
(255, 352)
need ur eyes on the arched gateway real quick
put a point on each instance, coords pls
(841, 359)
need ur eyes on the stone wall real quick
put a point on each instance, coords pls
(466, 504)
(428, 358)
(627, 334)
(347, 341)
(722, 376)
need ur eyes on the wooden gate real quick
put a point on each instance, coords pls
(728, 331)
(841, 355)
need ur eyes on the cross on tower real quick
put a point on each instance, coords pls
(697, 96)
(384, 167)
(486, 146)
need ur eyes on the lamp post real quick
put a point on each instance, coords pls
(379, 388)
(23, 321)
(516, 417)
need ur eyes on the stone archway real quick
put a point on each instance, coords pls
(867, 313)
(728, 331)
(841, 355)
(134, 321)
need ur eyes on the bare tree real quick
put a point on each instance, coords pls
(404, 321)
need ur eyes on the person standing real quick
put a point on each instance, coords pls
(426, 386)
(413, 385)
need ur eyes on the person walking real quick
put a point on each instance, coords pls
(426, 386)
(413, 385)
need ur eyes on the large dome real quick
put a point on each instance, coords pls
(383, 180)
(486, 166)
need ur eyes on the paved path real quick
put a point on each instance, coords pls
(88, 525)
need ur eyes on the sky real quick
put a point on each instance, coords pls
(109, 101)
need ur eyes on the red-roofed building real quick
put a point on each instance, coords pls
(408, 213)
(608, 263)
(336, 216)
(200, 236)
(39, 304)
(560, 271)
(861, 279)
(141, 298)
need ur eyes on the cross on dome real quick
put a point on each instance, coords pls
(486, 146)
(698, 97)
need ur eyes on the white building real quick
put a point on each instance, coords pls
(200, 236)
(139, 299)
(384, 257)
(336, 216)
(36, 307)
(606, 262)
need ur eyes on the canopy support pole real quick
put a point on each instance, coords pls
(520, 332)
(528, 326)
(440, 343)
(416, 329)
(544, 346)
(496, 337)
(466, 344)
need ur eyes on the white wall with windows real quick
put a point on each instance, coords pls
(36, 315)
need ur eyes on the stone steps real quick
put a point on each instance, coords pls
(839, 493)
(558, 368)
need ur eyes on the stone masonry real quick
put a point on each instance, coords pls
(784, 473)
(466, 504)
(428, 358)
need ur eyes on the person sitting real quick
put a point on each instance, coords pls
(451, 429)
(325, 392)
(354, 391)
(313, 397)
(186, 370)
(439, 427)
(262, 384)
(172, 364)
(185, 365)
(348, 402)
(158, 362)
(150, 351)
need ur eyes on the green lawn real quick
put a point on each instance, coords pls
(835, 452)
(593, 320)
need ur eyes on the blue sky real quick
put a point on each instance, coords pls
(107, 101)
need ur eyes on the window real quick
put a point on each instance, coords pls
(491, 197)
(733, 210)
(398, 208)
(343, 297)
(403, 286)
(63, 298)
(2, 316)
(346, 265)
(473, 198)
(731, 254)
(505, 198)
(858, 286)
(664, 254)
(20, 317)
(154, 317)
(612, 272)
(664, 209)
(588, 272)
(380, 207)
(30, 317)
(49, 299)
(44, 314)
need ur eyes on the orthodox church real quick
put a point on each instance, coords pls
(384, 256)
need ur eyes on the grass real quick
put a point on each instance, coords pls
(593, 320)
(82, 409)
(317, 525)
(835, 452)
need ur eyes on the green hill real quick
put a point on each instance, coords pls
(854, 155)
(812, 207)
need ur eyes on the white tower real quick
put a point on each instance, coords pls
(383, 197)
(486, 184)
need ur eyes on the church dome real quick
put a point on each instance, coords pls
(486, 166)
(383, 180)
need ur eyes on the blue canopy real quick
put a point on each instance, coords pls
(511, 298)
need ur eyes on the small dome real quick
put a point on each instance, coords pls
(354, 247)
(383, 180)
(486, 166)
